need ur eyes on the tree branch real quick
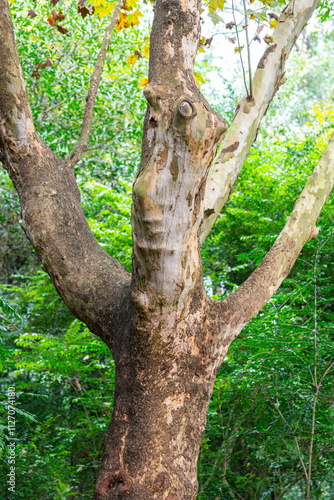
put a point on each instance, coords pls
(95, 79)
(92, 284)
(300, 227)
(268, 77)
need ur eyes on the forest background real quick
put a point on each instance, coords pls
(265, 404)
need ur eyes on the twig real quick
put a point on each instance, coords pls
(316, 384)
(81, 145)
(242, 63)
(46, 111)
(295, 439)
(248, 54)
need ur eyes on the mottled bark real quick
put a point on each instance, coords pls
(166, 374)
(167, 337)
(269, 76)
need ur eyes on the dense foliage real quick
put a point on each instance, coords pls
(272, 409)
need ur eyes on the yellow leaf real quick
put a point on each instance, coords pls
(238, 49)
(103, 9)
(98, 2)
(199, 78)
(133, 19)
(201, 43)
(252, 15)
(131, 60)
(213, 5)
(122, 21)
(143, 83)
(131, 4)
(273, 23)
(146, 50)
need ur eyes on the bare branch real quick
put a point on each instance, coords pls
(95, 79)
(248, 53)
(282, 492)
(268, 77)
(240, 49)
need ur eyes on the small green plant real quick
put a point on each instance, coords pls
(63, 490)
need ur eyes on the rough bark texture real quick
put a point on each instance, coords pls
(167, 337)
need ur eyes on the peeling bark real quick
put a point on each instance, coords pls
(166, 375)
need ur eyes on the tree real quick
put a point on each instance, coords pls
(167, 337)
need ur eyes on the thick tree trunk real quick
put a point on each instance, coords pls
(163, 388)
(166, 371)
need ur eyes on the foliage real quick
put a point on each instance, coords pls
(265, 390)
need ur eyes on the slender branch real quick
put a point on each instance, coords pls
(282, 492)
(239, 307)
(308, 484)
(248, 54)
(95, 79)
(330, 366)
(42, 114)
(295, 439)
(241, 60)
(318, 386)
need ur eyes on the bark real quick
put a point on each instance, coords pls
(167, 337)
(165, 375)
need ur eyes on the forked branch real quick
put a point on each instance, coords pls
(91, 283)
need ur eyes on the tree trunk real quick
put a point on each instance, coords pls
(166, 371)
(162, 393)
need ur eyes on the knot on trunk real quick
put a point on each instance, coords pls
(161, 482)
(186, 108)
(116, 482)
